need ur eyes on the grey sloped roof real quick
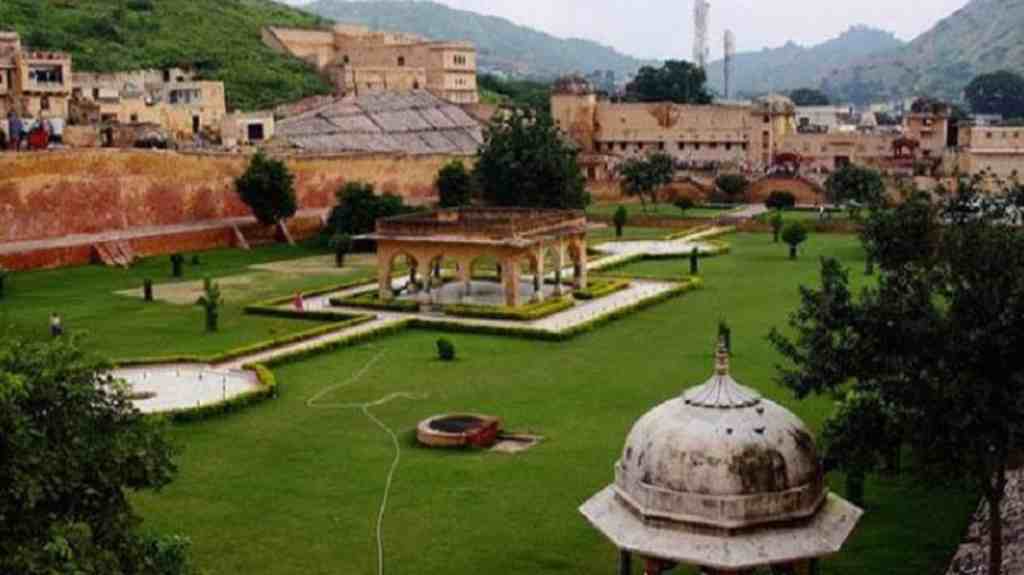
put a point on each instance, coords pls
(412, 123)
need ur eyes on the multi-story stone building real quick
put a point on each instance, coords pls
(359, 60)
(172, 98)
(33, 84)
(997, 150)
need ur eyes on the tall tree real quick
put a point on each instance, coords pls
(857, 187)
(71, 448)
(359, 207)
(676, 81)
(526, 162)
(268, 188)
(734, 186)
(645, 177)
(997, 93)
(454, 185)
(937, 339)
(809, 97)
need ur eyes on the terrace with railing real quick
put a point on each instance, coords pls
(484, 223)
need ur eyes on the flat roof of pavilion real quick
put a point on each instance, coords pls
(506, 227)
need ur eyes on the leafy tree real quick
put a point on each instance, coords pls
(777, 222)
(619, 219)
(676, 81)
(937, 338)
(210, 302)
(445, 350)
(530, 94)
(268, 188)
(857, 438)
(684, 204)
(3, 278)
(794, 234)
(809, 97)
(780, 200)
(359, 208)
(856, 187)
(177, 265)
(455, 185)
(997, 93)
(73, 446)
(342, 244)
(734, 186)
(526, 162)
(645, 177)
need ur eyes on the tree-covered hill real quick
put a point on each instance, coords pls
(220, 37)
(984, 36)
(793, 66)
(501, 44)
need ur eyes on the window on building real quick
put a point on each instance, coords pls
(46, 75)
(591, 173)
(401, 61)
(728, 146)
(44, 103)
(713, 145)
(346, 60)
(681, 145)
(661, 146)
(415, 84)
(255, 132)
(767, 118)
(622, 145)
(135, 118)
(696, 146)
(95, 93)
(988, 135)
(167, 76)
(743, 146)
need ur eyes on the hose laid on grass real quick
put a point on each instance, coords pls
(313, 403)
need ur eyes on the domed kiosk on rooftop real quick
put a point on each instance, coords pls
(724, 479)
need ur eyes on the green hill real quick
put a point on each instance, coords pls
(793, 66)
(219, 37)
(501, 44)
(984, 36)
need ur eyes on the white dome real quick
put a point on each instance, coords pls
(721, 456)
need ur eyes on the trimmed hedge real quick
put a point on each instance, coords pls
(348, 321)
(267, 390)
(598, 289)
(529, 312)
(272, 307)
(372, 301)
(684, 286)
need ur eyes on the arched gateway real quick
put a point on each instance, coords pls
(508, 236)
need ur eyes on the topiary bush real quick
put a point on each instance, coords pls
(619, 219)
(684, 204)
(794, 234)
(780, 200)
(3, 277)
(445, 350)
(177, 265)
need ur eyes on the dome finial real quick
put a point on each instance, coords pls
(722, 358)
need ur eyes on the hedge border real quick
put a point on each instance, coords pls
(272, 307)
(268, 390)
(610, 286)
(361, 301)
(531, 312)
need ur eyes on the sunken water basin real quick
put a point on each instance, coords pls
(459, 430)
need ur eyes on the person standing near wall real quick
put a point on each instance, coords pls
(14, 131)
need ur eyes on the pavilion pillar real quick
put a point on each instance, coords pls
(580, 266)
(466, 275)
(425, 274)
(625, 562)
(510, 280)
(538, 277)
(384, 280)
(559, 266)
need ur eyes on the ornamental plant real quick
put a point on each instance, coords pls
(445, 350)
(794, 234)
(210, 301)
(619, 219)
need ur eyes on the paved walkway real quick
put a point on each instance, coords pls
(135, 233)
(179, 386)
(748, 212)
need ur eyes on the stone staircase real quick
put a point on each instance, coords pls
(115, 253)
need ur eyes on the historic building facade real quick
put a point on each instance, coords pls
(33, 84)
(359, 60)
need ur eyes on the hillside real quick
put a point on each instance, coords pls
(220, 37)
(792, 66)
(984, 36)
(501, 44)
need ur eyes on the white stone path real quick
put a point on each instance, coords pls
(179, 386)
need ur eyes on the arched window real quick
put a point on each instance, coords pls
(401, 61)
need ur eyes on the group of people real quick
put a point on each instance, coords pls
(32, 134)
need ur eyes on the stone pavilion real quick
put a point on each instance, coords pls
(510, 236)
(723, 479)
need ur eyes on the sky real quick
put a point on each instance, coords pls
(663, 29)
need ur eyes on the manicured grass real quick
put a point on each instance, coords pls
(807, 216)
(123, 327)
(284, 488)
(629, 233)
(662, 210)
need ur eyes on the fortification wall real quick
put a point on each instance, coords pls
(55, 194)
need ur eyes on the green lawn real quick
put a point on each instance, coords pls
(283, 488)
(661, 210)
(806, 216)
(125, 327)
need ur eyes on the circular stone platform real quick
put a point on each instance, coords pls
(164, 388)
(459, 430)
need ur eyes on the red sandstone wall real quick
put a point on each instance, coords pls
(55, 194)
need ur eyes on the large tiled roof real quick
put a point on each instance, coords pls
(411, 123)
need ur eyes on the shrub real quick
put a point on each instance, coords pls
(619, 219)
(177, 264)
(777, 222)
(454, 185)
(794, 234)
(210, 302)
(734, 186)
(3, 277)
(600, 288)
(529, 312)
(684, 204)
(342, 245)
(445, 350)
(780, 200)
(372, 301)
